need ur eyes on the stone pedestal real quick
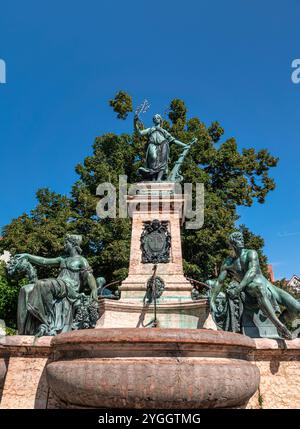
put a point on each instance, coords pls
(257, 325)
(175, 308)
(156, 201)
(126, 314)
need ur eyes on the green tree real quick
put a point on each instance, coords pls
(121, 104)
(283, 284)
(9, 290)
(232, 178)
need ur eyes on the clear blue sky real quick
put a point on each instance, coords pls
(229, 60)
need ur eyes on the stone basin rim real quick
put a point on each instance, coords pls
(152, 335)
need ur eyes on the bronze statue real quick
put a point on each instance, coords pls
(157, 152)
(255, 290)
(55, 305)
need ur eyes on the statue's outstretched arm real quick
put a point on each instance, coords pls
(179, 143)
(39, 260)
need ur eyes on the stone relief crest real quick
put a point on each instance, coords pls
(155, 242)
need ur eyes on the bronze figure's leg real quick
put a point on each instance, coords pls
(292, 306)
(42, 304)
(160, 175)
(22, 307)
(259, 290)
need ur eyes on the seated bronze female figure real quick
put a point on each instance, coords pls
(49, 306)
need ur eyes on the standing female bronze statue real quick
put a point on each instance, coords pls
(157, 152)
(49, 306)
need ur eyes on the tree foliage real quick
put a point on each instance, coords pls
(232, 178)
(283, 284)
(9, 290)
(121, 104)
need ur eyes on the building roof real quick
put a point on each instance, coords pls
(271, 273)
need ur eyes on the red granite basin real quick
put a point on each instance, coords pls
(152, 368)
(3, 369)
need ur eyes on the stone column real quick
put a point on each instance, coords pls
(156, 201)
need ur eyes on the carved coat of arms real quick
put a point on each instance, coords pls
(155, 242)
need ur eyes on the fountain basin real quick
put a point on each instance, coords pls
(3, 367)
(153, 368)
(3, 370)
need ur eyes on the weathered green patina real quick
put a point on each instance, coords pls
(155, 242)
(155, 289)
(250, 298)
(54, 305)
(157, 153)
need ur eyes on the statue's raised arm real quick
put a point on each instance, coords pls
(140, 131)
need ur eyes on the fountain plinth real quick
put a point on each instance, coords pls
(155, 245)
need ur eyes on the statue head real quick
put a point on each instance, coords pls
(157, 119)
(100, 282)
(236, 240)
(73, 241)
